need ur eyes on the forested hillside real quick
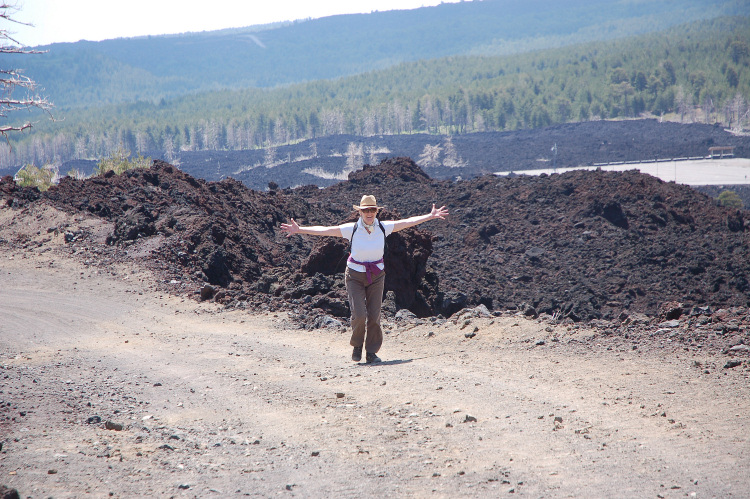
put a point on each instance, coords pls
(163, 67)
(700, 71)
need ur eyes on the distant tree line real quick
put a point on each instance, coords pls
(153, 68)
(699, 72)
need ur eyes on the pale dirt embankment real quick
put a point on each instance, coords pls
(215, 403)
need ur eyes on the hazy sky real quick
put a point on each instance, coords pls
(73, 20)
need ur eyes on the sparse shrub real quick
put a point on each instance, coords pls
(119, 162)
(730, 199)
(76, 174)
(33, 176)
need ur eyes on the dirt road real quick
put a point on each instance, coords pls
(222, 404)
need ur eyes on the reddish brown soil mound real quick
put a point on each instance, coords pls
(583, 245)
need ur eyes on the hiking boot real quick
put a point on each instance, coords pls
(372, 358)
(357, 354)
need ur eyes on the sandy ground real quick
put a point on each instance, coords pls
(725, 171)
(109, 388)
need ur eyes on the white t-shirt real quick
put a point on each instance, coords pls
(367, 247)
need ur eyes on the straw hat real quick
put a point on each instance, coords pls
(367, 202)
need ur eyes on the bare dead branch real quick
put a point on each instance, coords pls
(25, 103)
(12, 49)
(9, 128)
(12, 79)
(16, 80)
(7, 10)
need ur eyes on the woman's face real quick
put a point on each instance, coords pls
(368, 215)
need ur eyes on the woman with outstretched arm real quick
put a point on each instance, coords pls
(365, 269)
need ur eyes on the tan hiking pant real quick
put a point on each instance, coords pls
(365, 301)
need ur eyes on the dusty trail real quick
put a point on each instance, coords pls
(217, 403)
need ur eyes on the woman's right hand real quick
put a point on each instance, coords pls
(290, 228)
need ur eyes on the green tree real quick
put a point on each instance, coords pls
(730, 199)
(120, 162)
(618, 75)
(669, 70)
(640, 82)
(32, 176)
(738, 50)
(733, 78)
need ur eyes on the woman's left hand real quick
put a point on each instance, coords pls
(440, 213)
(290, 228)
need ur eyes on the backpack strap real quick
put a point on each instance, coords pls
(351, 241)
(385, 243)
